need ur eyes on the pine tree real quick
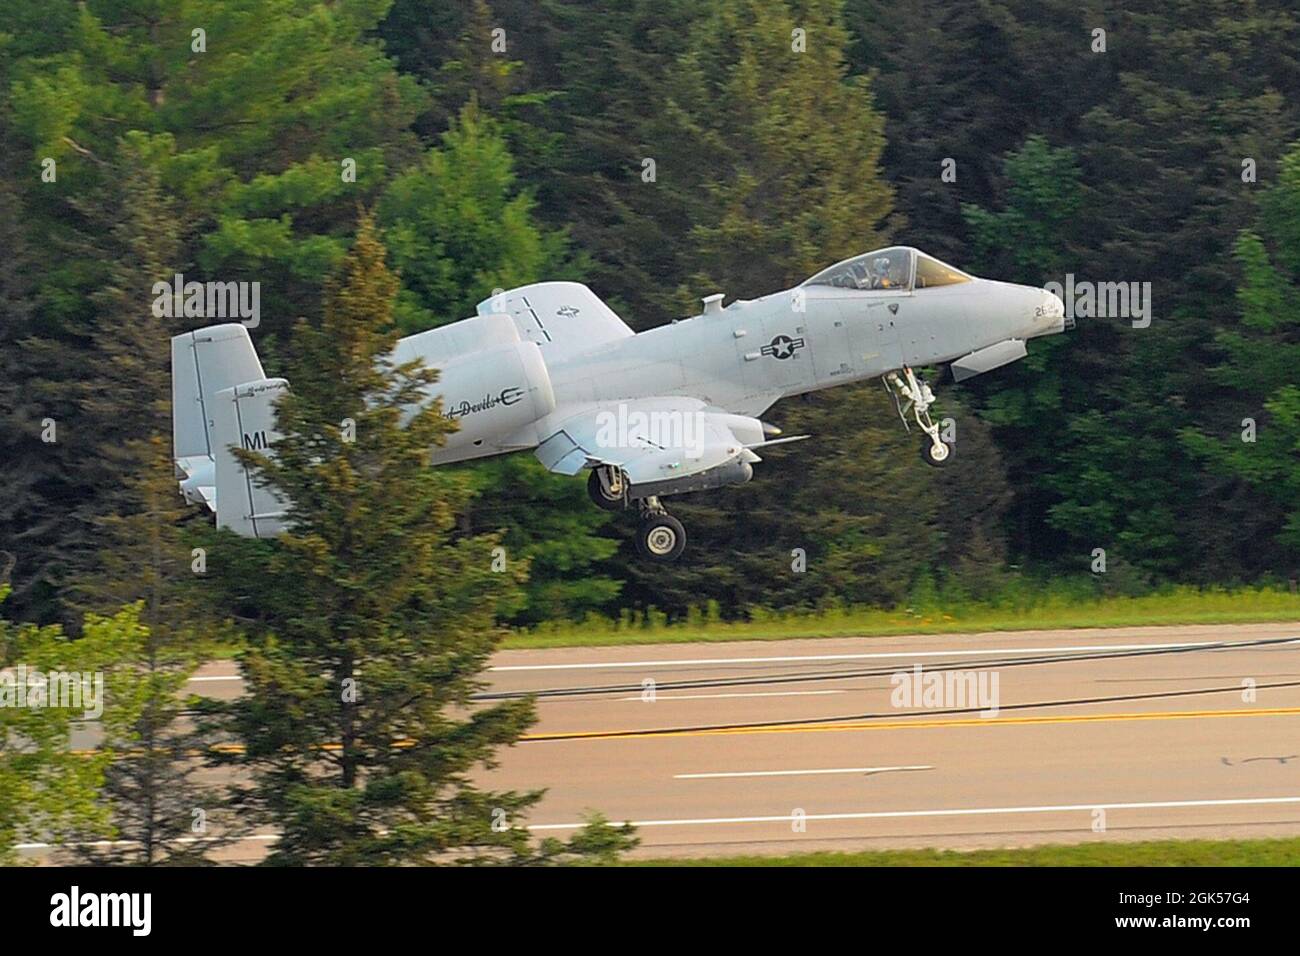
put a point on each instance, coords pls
(1033, 239)
(708, 144)
(74, 420)
(458, 227)
(614, 111)
(151, 788)
(31, 466)
(248, 130)
(1198, 91)
(262, 110)
(793, 147)
(374, 617)
(460, 56)
(968, 82)
(549, 522)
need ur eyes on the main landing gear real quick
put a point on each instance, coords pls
(907, 387)
(606, 487)
(660, 536)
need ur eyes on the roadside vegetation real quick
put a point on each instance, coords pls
(1031, 609)
(1284, 852)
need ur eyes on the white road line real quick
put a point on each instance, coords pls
(878, 655)
(102, 844)
(775, 693)
(964, 812)
(784, 818)
(791, 773)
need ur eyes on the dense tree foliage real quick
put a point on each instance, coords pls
(240, 117)
(1259, 365)
(152, 790)
(660, 152)
(46, 790)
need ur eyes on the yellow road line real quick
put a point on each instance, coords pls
(912, 724)
(822, 728)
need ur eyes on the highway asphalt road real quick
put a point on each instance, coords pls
(1141, 733)
(785, 746)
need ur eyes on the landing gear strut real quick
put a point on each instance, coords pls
(660, 536)
(934, 450)
(607, 488)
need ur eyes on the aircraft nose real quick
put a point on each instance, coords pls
(1049, 314)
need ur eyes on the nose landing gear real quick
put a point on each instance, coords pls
(919, 397)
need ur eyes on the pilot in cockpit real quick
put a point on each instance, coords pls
(859, 276)
(880, 267)
(891, 272)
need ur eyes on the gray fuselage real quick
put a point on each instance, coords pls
(753, 353)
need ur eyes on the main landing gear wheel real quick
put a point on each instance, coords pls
(605, 487)
(937, 455)
(661, 537)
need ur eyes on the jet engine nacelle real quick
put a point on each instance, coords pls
(725, 437)
(735, 472)
(494, 393)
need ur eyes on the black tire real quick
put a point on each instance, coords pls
(597, 494)
(661, 538)
(927, 454)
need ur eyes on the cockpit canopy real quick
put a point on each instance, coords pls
(898, 268)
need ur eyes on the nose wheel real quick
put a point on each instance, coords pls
(936, 455)
(912, 394)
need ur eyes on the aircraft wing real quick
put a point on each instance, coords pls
(651, 439)
(563, 318)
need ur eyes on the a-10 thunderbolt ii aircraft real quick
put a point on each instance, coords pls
(550, 368)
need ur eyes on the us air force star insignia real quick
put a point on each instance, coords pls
(783, 347)
(568, 311)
